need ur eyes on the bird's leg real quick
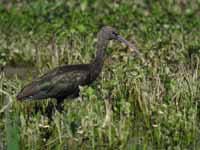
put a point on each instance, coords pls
(60, 105)
(49, 111)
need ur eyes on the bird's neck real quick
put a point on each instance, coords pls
(101, 46)
(97, 63)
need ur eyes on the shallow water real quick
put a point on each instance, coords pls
(21, 72)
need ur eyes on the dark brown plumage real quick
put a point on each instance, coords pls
(64, 81)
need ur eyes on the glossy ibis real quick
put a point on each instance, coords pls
(63, 82)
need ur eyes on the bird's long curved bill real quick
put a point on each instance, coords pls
(130, 45)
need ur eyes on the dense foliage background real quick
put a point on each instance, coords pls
(155, 102)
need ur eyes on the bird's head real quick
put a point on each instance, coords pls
(110, 33)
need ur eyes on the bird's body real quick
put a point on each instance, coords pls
(63, 82)
(60, 83)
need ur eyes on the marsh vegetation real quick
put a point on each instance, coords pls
(155, 102)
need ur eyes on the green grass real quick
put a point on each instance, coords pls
(155, 101)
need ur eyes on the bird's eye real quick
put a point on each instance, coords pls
(114, 33)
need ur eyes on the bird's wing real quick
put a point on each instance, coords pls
(61, 81)
(67, 83)
(66, 69)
